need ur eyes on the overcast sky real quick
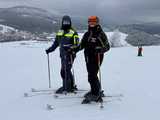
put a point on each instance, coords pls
(120, 11)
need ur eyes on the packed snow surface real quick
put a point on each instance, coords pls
(23, 65)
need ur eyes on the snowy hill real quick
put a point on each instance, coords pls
(29, 19)
(5, 29)
(36, 20)
(31, 11)
(10, 34)
(25, 66)
(116, 38)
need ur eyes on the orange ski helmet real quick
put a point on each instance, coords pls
(93, 19)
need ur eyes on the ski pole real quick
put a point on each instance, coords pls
(72, 70)
(100, 78)
(49, 71)
(100, 81)
(65, 79)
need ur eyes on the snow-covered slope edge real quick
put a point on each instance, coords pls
(116, 38)
(5, 29)
(137, 78)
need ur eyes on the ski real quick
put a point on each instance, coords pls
(102, 100)
(36, 94)
(33, 94)
(70, 96)
(51, 107)
(109, 98)
(41, 90)
(48, 90)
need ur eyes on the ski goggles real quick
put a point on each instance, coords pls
(65, 22)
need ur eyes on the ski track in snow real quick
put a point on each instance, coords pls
(24, 66)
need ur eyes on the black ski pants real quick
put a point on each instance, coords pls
(66, 74)
(92, 63)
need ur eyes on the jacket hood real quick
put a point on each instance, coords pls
(66, 22)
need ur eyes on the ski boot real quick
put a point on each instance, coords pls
(90, 93)
(61, 90)
(74, 88)
(92, 98)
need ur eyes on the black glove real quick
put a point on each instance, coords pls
(100, 50)
(47, 51)
(76, 49)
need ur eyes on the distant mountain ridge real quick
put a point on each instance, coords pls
(141, 34)
(39, 21)
(34, 20)
(29, 19)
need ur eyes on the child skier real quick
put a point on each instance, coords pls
(68, 40)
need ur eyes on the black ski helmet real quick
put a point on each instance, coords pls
(66, 22)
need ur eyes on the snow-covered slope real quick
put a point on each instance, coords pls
(5, 29)
(116, 38)
(25, 66)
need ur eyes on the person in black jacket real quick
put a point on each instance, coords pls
(140, 49)
(95, 44)
(68, 40)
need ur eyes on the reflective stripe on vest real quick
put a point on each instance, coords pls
(60, 33)
(76, 42)
(69, 34)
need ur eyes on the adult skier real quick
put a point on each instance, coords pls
(67, 39)
(95, 44)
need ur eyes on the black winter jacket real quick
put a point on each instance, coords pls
(94, 38)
